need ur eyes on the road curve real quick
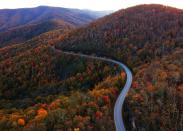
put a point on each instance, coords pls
(120, 100)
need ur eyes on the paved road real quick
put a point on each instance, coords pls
(120, 100)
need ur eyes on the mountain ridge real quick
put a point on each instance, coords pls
(41, 13)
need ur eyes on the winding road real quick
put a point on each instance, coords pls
(120, 100)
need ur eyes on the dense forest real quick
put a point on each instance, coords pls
(45, 90)
(42, 89)
(155, 99)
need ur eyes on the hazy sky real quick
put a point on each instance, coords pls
(86, 4)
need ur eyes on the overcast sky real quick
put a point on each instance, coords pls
(86, 4)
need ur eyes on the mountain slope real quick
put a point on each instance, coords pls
(155, 101)
(134, 35)
(42, 80)
(23, 33)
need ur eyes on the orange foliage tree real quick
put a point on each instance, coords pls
(21, 122)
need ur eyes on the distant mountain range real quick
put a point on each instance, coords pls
(17, 25)
(11, 18)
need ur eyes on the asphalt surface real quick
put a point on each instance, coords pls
(118, 117)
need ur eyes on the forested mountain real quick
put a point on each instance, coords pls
(19, 25)
(134, 35)
(41, 89)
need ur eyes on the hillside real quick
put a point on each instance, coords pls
(155, 101)
(24, 33)
(135, 35)
(38, 86)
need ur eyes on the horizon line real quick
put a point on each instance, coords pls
(86, 8)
